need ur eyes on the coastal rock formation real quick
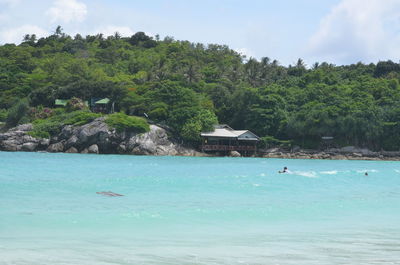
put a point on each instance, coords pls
(17, 139)
(345, 153)
(94, 138)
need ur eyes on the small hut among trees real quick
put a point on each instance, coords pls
(225, 139)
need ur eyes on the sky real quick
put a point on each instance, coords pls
(334, 31)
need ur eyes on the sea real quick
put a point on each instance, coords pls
(64, 209)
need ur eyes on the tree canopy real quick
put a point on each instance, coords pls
(191, 86)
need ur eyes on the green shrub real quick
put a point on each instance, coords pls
(269, 141)
(44, 128)
(3, 115)
(80, 117)
(17, 113)
(122, 122)
(39, 134)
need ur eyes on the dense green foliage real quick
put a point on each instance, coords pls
(18, 113)
(122, 122)
(190, 86)
(3, 115)
(44, 128)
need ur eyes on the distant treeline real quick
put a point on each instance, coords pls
(190, 86)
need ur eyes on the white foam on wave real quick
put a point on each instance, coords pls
(397, 170)
(308, 174)
(367, 170)
(262, 175)
(332, 172)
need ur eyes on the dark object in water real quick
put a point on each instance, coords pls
(109, 194)
(284, 170)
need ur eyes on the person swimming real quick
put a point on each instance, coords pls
(284, 170)
(366, 174)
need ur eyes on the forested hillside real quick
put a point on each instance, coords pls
(190, 86)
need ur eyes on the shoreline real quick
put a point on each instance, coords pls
(320, 155)
(96, 138)
(288, 155)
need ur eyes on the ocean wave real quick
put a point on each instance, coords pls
(332, 172)
(367, 170)
(308, 174)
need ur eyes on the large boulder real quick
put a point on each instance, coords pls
(154, 142)
(29, 147)
(72, 150)
(93, 149)
(234, 154)
(97, 132)
(71, 142)
(56, 148)
(66, 132)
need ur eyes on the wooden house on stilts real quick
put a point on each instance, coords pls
(225, 139)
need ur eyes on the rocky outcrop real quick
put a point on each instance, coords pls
(97, 138)
(345, 153)
(94, 138)
(154, 142)
(18, 139)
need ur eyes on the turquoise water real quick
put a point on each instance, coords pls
(184, 210)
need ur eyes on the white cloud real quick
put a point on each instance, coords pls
(110, 30)
(67, 11)
(358, 30)
(15, 35)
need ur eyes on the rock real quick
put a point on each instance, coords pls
(54, 139)
(272, 150)
(72, 150)
(96, 137)
(89, 133)
(56, 148)
(22, 128)
(85, 151)
(121, 149)
(10, 145)
(234, 154)
(296, 148)
(66, 132)
(44, 142)
(154, 142)
(29, 147)
(71, 142)
(93, 149)
(348, 149)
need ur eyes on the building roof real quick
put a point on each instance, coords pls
(224, 131)
(102, 101)
(220, 133)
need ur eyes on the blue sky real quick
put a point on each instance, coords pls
(337, 31)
